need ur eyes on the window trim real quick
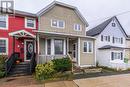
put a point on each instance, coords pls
(26, 23)
(80, 27)
(88, 46)
(52, 45)
(7, 22)
(58, 24)
(6, 53)
(122, 59)
(62, 47)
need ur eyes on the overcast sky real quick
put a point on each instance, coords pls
(92, 10)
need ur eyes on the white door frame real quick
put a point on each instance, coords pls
(26, 50)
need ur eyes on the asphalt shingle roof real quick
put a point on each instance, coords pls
(98, 29)
(109, 47)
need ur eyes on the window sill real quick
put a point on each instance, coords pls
(117, 61)
(1, 28)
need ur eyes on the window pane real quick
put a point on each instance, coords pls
(77, 27)
(2, 46)
(3, 21)
(90, 47)
(61, 24)
(85, 46)
(54, 23)
(58, 44)
(49, 46)
(30, 22)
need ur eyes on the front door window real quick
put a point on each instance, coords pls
(29, 50)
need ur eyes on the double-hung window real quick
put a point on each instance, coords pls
(117, 40)
(3, 22)
(88, 47)
(3, 46)
(48, 46)
(57, 23)
(30, 23)
(105, 38)
(116, 55)
(77, 27)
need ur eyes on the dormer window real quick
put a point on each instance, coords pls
(77, 27)
(30, 23)
(113, 24)
(57, 23)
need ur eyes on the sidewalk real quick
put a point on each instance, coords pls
(122, 80)
(29, 81)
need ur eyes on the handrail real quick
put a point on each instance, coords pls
(72, 68)
(32, 63)
(9, 63)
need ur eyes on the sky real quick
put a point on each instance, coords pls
(92, 10)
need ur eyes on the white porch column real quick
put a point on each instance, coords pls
(45, 46)
(67, 45)
(79, 51)
(52, 45)
(38, 48)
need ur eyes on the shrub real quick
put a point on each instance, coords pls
(2, 73)
(44, 71)
(61, 65)
(2, 62)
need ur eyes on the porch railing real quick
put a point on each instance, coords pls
(32, 63)
(46, 58)
(9, 62)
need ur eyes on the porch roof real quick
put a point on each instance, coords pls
(62, 34)
(111, 47)
(22, 33)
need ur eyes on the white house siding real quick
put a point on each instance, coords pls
(104, 56)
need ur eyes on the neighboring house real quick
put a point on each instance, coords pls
(111, 47)
(16, 34)
(62, 31)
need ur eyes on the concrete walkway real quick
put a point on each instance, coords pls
(29, 81)
(105, 81)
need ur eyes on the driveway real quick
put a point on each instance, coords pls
(122, 80)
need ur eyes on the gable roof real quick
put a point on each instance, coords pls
(22, 33)
(54, 3)
(98, 29)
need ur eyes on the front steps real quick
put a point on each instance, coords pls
(21, 69)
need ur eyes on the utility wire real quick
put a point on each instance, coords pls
(109, 16)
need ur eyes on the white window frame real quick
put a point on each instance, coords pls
(117, 40)
(6, 53)
(52, 45)
(7, 22)
(58, 24)
(88, 46)
(118, 53)
(26, 23)
(76, 25)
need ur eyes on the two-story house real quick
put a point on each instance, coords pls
(62, 31)
(16, 34)
(111, 47)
